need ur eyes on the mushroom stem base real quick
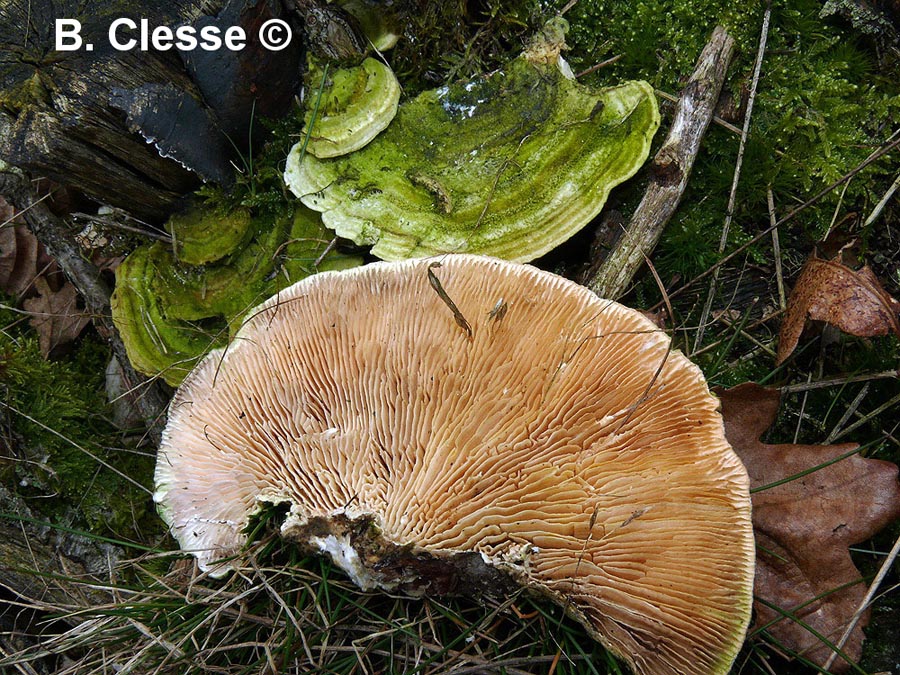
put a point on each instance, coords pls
(372, 560)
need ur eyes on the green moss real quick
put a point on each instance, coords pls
(58, 417)
(657, 40)
(822, 107)
(25, 95)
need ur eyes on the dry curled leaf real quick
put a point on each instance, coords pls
(18, 259)
(853, 301)
(22, 258)
(18, 253)
(55, 315)
(28, 273)
(805, 525)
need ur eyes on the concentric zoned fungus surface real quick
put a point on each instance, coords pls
(470, 427)
(171, 313)
(355, 105)
(511, 164)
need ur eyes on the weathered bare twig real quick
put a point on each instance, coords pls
(667, 98)
(838, 382)
(48, 228)
(866, 601)
(776, 250)
(879, 207)
(670, 169)
(887, 405)
(732, 195)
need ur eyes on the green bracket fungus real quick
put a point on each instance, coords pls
(200, 236)
(356, 105)
(170, 313)
(510, 164)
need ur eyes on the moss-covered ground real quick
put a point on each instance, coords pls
(66, 460)
(827, 97)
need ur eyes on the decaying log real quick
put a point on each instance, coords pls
(109, 123)
(670, 169)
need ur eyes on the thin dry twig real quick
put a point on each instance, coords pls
(879, 207)
(875, 413)
(749, 327)
(852, 408)
(732, 195)
(838, 381)
(110, 221)
(873, 589)
(597, 66)
(744, 332)
(776, 250)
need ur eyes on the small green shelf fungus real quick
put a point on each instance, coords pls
(201, 236)
(356, 105)
(170, 314)
(510, 164)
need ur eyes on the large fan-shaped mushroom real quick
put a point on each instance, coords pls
(509, 164)
(469, 424)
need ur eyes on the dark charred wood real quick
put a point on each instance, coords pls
(56, 120)
(63, 113)
(249, 84)
(180, 128)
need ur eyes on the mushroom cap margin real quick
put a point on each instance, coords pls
(605, 597)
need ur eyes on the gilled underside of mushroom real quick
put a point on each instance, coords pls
(477, 423)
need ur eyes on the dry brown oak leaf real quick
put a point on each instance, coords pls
(22, 258)
(55, 315)
(853, 301)
(18, 253)
(804, 527)
(18, 259)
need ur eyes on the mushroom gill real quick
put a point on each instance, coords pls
(474, 423)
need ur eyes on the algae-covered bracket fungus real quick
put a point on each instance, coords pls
(172, 307)
(355, 106)
(510, 164)
(471, 426)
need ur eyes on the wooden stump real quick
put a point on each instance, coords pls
(134, 129)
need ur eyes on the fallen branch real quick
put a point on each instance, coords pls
(670, 169)
(51, 231)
